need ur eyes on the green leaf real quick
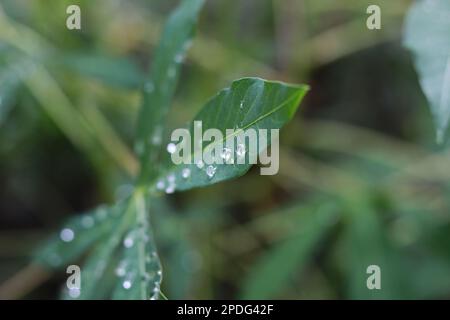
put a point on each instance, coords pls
(139, 269)
(76, 236)
(94, 269)
(250, 103)
(427, 33)
(160, 88)
(285, 260)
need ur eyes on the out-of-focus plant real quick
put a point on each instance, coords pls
(120, 235)
(426, 34)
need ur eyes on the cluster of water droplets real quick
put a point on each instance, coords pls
(127, 271)
(87, 221)
(169, 183)
(69, 233)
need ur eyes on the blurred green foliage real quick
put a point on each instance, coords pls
(361, 179)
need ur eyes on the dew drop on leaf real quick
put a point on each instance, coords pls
(120, 272)
(127, 284)
(186, 173)
(211, 171)
(101, 213)
(171, 148)
(200, 164)
(67, 235)
(226, 154)
(170, 188)
(240, 150)
(128, 242)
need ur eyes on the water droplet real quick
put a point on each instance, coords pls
(226, 154)
(240, 150)
(149, 87)
(127, 284)
(67, 235)
(211, 171)
(241, 105)
(200, 164)
(128, 242)
(120, 272)
(160, 185)
(74, 292)
(101, 213)
(171, 148)
(186, 173)
(87, 222)
(159, 273)
(170, 188)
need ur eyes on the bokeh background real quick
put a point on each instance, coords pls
(362, 180)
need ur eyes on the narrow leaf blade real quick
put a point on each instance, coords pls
(159, 90)
(427, 32)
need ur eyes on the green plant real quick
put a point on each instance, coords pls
(426, 35)
(123, 262)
